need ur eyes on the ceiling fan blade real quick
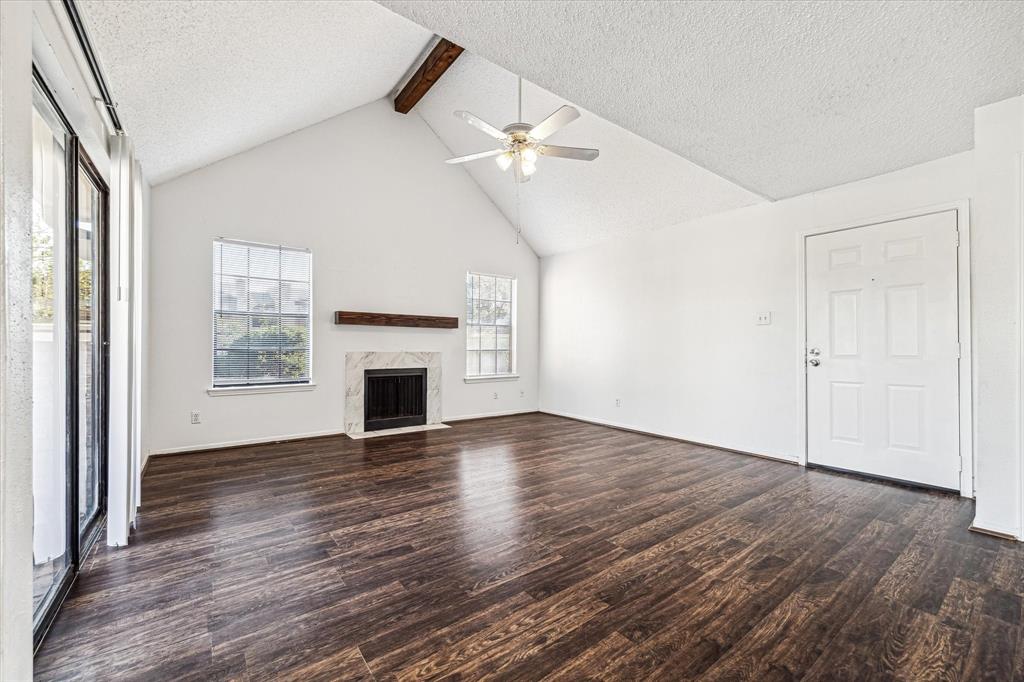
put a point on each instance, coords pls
(561, 118)
(578, 153)
(474, 157)
(481, 125)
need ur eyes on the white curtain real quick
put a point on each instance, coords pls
(49, 344)
(140, 245)
(127, 227)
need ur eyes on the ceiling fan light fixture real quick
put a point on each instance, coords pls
(521, 142)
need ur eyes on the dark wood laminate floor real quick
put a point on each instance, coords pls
(534, 547)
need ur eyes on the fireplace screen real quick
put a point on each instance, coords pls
(394, 398)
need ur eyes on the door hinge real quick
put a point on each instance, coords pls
(958, 355)
(956, 237)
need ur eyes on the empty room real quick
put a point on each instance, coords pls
(462, 340)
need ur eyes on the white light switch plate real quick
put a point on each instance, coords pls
(764, 318)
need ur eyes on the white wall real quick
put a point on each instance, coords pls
(15, 341)
(392, 229)
(665, 320)
(997, 223)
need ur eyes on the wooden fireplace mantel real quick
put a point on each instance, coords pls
(394, 320)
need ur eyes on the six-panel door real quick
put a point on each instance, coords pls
(882, 344)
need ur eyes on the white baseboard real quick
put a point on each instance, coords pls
(996, 529)
(673, 436)
(267, 440)
(464, 417)
(484, 415)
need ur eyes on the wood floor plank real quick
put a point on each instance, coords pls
(593, 663)
(532, 547)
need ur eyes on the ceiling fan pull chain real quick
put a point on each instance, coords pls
(519, 118)
(519, 220)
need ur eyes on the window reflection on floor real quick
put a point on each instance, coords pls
(489, 495)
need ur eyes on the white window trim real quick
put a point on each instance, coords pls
(513, 374)
(484, 378)
(253, 390)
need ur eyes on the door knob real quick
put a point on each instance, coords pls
(814, 362)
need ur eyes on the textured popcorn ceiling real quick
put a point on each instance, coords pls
(782, 97)
(634, 184)
(195, 82)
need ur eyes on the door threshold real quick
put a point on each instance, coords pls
(883, 479)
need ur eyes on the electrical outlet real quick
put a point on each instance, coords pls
(195, 416)
(522, 394)
(764, 318)
(495, 395)
(618, 402)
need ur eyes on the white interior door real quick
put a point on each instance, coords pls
(882, 350)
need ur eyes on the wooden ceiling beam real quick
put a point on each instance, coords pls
(428, 73)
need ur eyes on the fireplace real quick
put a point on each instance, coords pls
(358, 363)
(394, 398)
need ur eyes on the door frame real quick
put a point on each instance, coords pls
(88, 535)
(965, 383)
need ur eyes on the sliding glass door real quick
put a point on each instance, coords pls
(69, 359)
(51, 542)
(89, 280)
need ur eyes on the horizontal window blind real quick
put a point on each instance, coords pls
(261, 314)
(490, 301)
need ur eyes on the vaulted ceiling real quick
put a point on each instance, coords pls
(633, 185)
(781, 97)
(197, 81)
(696, 107)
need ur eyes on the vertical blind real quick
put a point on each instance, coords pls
(489, 315)
(261, 314)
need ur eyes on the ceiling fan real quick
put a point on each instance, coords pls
(521, 142)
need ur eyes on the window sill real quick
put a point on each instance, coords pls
(491, 377)
(253, 390)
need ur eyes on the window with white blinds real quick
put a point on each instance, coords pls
(261, 314)
(490, 316)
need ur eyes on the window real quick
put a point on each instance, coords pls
(261, 314)
(490, 318)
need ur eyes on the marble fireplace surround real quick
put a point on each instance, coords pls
(356, 362)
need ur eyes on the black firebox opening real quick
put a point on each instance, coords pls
(394, 398)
